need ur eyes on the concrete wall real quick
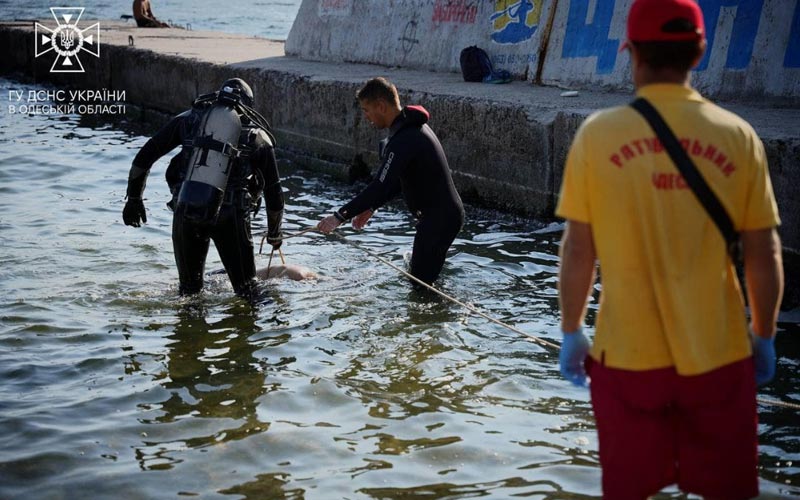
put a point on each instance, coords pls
(754, 45)
(506, 144)
(422, 34)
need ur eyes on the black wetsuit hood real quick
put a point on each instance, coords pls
(410, 116)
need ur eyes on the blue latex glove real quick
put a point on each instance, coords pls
(764, 357)
(574, 349)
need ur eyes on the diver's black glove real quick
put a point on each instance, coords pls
(274, 234)
(134, 214)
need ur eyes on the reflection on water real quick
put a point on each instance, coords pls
(211, 373)
(352, 386)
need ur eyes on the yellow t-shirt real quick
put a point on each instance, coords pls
(670, 296)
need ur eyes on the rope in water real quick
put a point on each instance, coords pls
(472, 309)
(286, 237)
(777, 402)
(446, 296)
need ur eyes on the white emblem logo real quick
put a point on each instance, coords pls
(67, 40)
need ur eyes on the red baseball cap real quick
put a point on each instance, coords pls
(664, 21)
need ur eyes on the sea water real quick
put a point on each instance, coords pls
(265, 18)
(351, 386)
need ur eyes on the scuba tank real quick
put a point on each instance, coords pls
(212, 156)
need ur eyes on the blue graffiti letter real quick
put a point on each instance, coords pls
(792, 59)
(586, 40)
(743, 36)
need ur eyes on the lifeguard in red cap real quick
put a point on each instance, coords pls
(674, 364)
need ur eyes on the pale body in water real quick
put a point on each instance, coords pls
(290, 271)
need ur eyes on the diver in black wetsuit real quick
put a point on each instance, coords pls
(213, 204)
(412, 163)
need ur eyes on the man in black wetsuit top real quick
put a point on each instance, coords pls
(253, 171)
(412, 163)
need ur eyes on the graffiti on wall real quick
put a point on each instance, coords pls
(409, 39)
(587, 33)
(792, 58)
(743, 34)
(513, 59)
(515, 21)
(455, 11)
(588, 39)
(335, 7)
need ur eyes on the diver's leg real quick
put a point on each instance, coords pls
(431, 243)
(234, 243)
(191, 247)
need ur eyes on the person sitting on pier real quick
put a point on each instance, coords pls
(144, 15)
(412, 163)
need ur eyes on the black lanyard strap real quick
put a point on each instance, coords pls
(692, 177)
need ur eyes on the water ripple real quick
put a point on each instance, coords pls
(352, 385)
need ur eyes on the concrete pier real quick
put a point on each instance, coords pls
(753, 46)
(506, 143)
